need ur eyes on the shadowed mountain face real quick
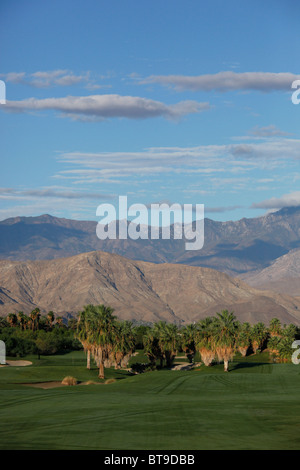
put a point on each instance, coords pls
(136, 290)
(231, 247)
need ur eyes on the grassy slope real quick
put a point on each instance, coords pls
(255, 406)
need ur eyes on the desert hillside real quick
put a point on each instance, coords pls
(136, 290)
(282, 276)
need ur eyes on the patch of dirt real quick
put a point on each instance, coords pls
(56, 384)
(16, 364)
(46, 385)
(185, 366)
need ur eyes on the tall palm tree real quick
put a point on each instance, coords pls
(225, 335)
(82, 333)
(151, 347)
(168, 340)
(35, 317)
(205, 340)
(100, 333)
(124, 343)
(21, 320)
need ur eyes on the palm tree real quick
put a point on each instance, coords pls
(35, 317)
(204, 340)
(273, 346)
(124, 343)
(290, 332)
(285, 350)
(280, 345)
(168, 341)
(188, 335)
(151, 347)
(100, 334)
(21, 320)
(243, 338)
(12, 319)
(258, 336)
(82, 333)
(225, 335)
(50, 319)
(275, 327)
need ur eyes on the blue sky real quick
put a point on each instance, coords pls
(162, 101)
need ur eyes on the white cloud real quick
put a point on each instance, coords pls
(98, 107)
(205, 160)
(267, 131)
(52, 78)
(30, 194)
(286, 200)
(227, 81)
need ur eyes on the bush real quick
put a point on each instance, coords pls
(69, 380)
(109, 381)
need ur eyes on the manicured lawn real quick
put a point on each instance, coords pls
(254, 406)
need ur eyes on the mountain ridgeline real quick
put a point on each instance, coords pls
(233, 247)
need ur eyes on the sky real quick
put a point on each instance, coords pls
(173, 101)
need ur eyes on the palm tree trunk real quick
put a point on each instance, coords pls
(225, 365)
(88, 360)
(101, 370)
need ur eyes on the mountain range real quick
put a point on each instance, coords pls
(60, 264)
(233, 247)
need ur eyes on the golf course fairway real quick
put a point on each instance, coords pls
(253, 406)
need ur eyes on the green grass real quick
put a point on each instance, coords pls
(254, 406)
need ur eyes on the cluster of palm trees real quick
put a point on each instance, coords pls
(213, 337)
(161, 343)
(108, 341)
(219, 338)
(33, 320)
(281, 338)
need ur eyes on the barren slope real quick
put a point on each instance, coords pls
(282, 276)
(135, 289)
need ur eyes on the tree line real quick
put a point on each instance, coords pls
(111, 342)
(37, 334)
(219, 338)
